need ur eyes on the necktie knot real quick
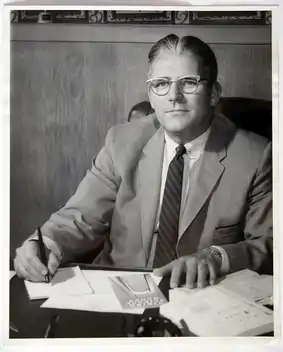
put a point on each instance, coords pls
(180, 150)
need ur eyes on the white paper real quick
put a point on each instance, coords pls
(66, 281)
(12, 274)
(213, 311)
(102, 300)
(249, 285)
(107, 303)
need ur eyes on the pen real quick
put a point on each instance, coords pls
(42, 252)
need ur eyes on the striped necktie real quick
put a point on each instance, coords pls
(167, 236)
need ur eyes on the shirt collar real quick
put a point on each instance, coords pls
(194, 148)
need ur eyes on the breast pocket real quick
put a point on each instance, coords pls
(227, 234)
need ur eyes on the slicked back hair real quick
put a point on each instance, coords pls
(192, 45)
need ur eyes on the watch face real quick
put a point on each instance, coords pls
(216, 253)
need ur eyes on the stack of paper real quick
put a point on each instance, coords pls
(103, 298)
(213, 311)
(226, 309)
(66, 281)
(249, 284)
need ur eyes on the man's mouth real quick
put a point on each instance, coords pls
(177, 110)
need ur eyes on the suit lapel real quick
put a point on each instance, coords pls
(150, 169)
(209, 173)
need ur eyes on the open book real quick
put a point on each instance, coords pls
(226, 309)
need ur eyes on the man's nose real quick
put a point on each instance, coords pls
(175, 92)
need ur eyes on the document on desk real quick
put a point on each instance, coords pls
(226, 309)
(66, 281)
(103, 298)
(213, 312)
(249, 284)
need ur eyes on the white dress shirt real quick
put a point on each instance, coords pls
(194, 151)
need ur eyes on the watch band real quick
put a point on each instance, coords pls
(216, 254)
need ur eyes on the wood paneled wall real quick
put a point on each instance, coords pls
(65, 96)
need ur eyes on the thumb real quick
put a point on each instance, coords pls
(53, 263)
(164, 270)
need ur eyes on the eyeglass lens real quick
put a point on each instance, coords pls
(161, 86)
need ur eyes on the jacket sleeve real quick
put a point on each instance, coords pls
(256, 251)
(84, 222)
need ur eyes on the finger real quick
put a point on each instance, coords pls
(21, 272)
(53, 263)
(191, 274)
(164, 270)
(17, 268)
(30, 253)
(176, 274)
(212, 272)
(202, 274)
(36, 266)
(32, 273)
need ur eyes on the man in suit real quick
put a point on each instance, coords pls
(183, 190)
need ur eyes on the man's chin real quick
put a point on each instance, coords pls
(176, 129)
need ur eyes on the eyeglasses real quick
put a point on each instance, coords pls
(187, 84)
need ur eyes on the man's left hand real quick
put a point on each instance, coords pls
(201, 269)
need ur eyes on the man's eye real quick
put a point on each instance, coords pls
(160, 84)
(189, 81)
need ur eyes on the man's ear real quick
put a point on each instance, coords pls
(215, 93)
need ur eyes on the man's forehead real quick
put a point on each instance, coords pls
(169, 64)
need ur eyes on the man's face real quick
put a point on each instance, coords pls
(180, 112)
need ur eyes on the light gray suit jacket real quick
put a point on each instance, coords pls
(230, 202)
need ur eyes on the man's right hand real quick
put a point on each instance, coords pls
(27, 263)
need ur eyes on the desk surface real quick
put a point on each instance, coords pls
(32, 321)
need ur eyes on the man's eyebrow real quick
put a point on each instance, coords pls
(160, 77)
(166, 77)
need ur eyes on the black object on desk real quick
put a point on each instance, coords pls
(152, 324)
(50, 331)
(42, 253)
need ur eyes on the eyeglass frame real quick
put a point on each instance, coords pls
(149, 83)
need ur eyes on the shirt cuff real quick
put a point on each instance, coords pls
(50, 244)
(225, 265)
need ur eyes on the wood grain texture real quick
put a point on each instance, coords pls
(245, 70)
(64, 98)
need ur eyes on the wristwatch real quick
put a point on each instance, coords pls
(216, 254)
